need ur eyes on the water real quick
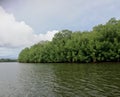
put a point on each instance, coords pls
(59, 80)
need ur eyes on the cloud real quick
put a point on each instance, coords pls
(9, 52)
(48, 36)
(12, 32)
(18, 34)
(15, 35)
(44, 15)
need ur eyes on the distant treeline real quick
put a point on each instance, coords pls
(102, 44)
(8, 60)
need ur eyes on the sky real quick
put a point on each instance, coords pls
(26, 22)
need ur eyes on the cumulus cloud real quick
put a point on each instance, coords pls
(18, 34)
(48, 36)
(15, 35)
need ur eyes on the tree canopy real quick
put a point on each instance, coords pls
(99, 45)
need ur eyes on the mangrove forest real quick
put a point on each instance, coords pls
(101, 44)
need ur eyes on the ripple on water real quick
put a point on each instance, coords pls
(59, 80)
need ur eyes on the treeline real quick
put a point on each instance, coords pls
(8, 60)
(99, 45)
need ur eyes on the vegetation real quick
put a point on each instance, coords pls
(100, 44)
(8, 60)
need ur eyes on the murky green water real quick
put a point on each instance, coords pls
(59, 80)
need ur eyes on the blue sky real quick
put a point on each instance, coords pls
(41, 19)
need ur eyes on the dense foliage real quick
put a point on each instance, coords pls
(100, 44)
(8, 60)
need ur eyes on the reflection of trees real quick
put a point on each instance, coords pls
(66, 80)
(71, 79)
(82, 80)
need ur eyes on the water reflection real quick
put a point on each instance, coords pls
(37, 80)
(59, 80)
(87, 80)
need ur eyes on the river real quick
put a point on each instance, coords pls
(59, 80)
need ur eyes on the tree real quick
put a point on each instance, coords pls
(100, 44)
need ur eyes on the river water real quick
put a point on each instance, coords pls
(59, 80)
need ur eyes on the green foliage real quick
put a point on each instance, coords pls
(100, 44)
(24, 55)
(8, 60)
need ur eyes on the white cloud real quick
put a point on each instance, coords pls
(48, 36)
(16, 35)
